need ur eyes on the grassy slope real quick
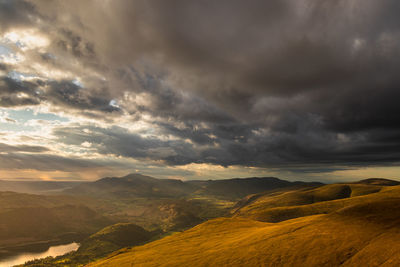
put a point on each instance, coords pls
(281, 206)
(359, 230)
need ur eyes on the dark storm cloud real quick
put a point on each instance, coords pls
(305, 148)
(61, 93)
(14, 93)
(164, 101)
(254, 83)
(4, 148)
(44, 162)
(68, 94)
(3, 66)
(16, 13)
(120, 142)
(72, 43)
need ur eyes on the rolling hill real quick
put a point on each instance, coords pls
(240, 187)
(279, 206)
(341, 224)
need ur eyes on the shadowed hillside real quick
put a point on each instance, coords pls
(32, 222)
(341, 224)
(107, 240)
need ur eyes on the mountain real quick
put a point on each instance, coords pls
(332, 225)
(137, 185)
(134, 185)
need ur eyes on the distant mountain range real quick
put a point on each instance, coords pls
(145, 186)
(36, 187)
(133, 185)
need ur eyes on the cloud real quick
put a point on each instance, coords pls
(14, 13)
(44, 162)
(13, 93)
(61, 94)
(4, 148)
(304, 148)
(274, 84)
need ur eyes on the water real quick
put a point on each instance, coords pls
(52, 251)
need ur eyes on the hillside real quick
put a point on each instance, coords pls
(105, 241)
(284, 205)
(32, 222)
(240, 187)
(378, 181)
(341, 224)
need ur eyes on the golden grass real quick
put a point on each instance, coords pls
(356, 231)
(298, 203)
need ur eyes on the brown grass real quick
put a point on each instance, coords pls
(355, 231)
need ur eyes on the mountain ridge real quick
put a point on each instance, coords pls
(142, 185)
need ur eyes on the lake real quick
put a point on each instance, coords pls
(52, 251)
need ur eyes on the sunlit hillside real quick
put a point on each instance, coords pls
(344, 224)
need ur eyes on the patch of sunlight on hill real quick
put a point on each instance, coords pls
(284, 205)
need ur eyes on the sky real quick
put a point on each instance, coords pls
(296, 89)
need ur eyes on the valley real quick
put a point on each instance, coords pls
(142, 220)
(33, 222)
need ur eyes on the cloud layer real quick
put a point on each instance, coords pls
(292, 84)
